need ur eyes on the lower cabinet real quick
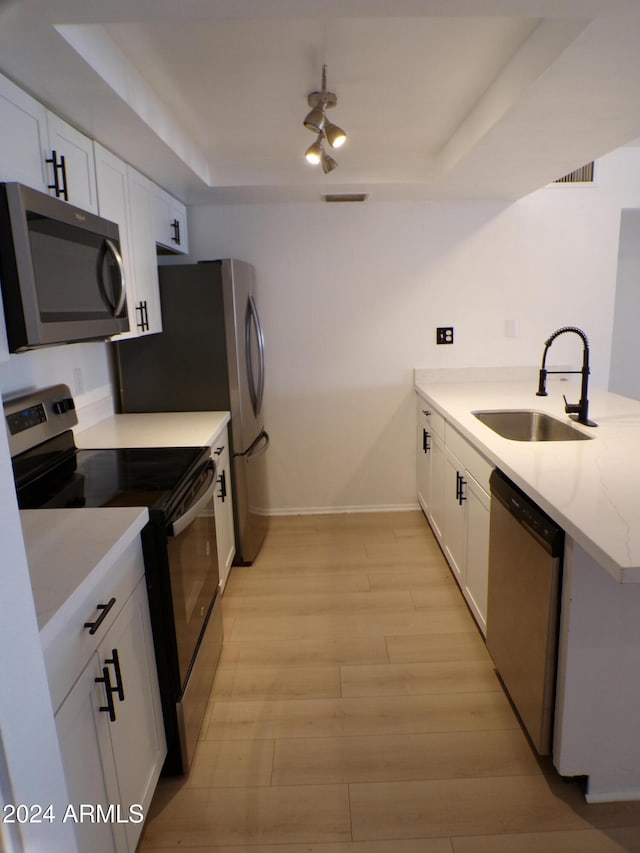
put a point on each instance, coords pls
(453, 491)
(225, 530)
(431, 466)
(111, 734)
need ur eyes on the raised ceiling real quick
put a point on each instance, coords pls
(442, 99)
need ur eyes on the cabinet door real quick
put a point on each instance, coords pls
(77, 179)
(23, 137)
(137, 733)
(454, 515)
(145, 261)
(169, 221)
(85, 745)
(113, 203)
(437, 486)
(423, 445)
(225, 531)
(477, 557)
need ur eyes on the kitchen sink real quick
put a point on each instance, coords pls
(528, 425)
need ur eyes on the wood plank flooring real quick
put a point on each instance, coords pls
(356, 710)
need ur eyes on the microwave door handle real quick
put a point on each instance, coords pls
(110, 246)
(204, 497)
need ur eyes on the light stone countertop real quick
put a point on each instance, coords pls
(154, 429)
(69, 550)
(591, 488)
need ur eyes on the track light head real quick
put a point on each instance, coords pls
(328, 163)
(315, 152)
(315, 120)
(336, 137)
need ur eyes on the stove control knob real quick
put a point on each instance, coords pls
(62, 406)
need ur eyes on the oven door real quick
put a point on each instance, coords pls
(193, 568)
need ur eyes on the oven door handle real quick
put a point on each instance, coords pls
(204, 496)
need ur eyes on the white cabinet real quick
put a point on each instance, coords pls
(225, 531)
(71, 164)
(41, 150)
(455, 518)
(169, 218)
(453, 491)
(109, 723)
(23, 137)
(123, 195)
(477, 550)
(148, 317)
(431, 465)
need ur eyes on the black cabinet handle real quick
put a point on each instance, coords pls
(59, 171)
(53, 162)
(64, 189)
(426, 446)
(109, 708)
(426, 412)
(218, 451)
(143, 323)
(114, 660)
(176, 231)
(105, 608)
(222, 479)
(460, 484)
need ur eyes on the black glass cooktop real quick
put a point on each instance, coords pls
(100, 478)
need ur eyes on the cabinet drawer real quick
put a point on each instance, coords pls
(68, 652)
(435, 421)
(479, 468)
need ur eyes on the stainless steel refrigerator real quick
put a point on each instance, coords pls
(209, 357)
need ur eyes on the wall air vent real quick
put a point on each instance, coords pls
(334, 198)
(583, 175)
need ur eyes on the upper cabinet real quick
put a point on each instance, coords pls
(145, 261)
(71, 164)
(169, 222)
(124, 197)
(41, 150)
(23, 137)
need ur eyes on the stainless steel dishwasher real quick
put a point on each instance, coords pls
(525, 566)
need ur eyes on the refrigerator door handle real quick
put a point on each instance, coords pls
(257, 446)
(256, 384)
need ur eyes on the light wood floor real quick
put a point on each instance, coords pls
(356, 710)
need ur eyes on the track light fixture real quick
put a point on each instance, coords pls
(317, 122)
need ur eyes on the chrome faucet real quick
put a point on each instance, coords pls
(578, 411)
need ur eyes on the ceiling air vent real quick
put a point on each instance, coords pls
(583, 175)
(334, 198)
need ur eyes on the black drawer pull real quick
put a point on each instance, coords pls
(93, 626)
(109, 708)
(115, 661)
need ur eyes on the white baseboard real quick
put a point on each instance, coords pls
(340, 510)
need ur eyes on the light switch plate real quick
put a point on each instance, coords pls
(444, 334)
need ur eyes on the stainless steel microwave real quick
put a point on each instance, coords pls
(61, 271)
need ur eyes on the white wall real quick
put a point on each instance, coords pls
(28, 370)
(625, 348)
(351, 295)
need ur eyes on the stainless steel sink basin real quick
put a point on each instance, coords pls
(527, 425)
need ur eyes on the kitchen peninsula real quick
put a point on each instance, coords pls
(589, 488)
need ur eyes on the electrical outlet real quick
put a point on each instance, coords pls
(444, 335)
